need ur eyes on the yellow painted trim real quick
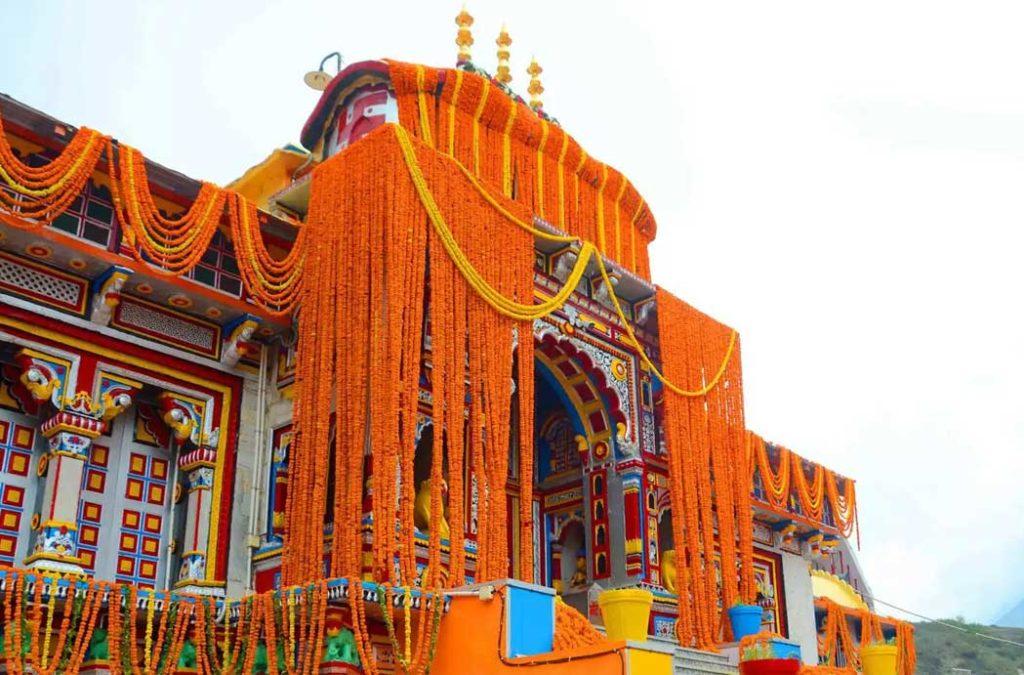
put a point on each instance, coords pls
(826, 585)
(199, 582)
(225, 413)
(60, 523)
(65, 453)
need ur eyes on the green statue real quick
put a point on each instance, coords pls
(188, 655)
(99, 647)
(341, 647)
(26, 638)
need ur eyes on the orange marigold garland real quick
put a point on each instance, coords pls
(572, 629)
(707, 466)
(811, 493)
(275, 284)
(524, 156)
(174, 244)
(824, 486)
(43, 193)
(777, 484)
(835, 637)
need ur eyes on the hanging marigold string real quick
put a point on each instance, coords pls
(32, 197)
(172, 244)
(707, 469)
(275, 284)
(835, 637)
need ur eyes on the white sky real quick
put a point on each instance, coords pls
(839, 181)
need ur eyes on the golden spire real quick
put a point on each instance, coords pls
(464, 39)
(536, 88)
(504, 75)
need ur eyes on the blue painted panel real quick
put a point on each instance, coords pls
(531, 621)
(784, 649)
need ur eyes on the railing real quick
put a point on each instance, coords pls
(56, 623)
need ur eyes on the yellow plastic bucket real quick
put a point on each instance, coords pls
(878, 659)
(626, 613)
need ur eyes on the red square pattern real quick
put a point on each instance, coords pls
(13, 495)
(21, 432)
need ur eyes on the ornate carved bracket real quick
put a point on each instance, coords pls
(186, 418)
(43, 376)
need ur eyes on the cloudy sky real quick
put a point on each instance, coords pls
(842, 182)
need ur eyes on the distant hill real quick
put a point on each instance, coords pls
(940, 649)
(1014, 618)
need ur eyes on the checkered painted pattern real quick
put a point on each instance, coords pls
(17, 485)
(125, 506)
(95, 480)
(145, 497)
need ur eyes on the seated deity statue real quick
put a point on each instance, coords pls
(421, 509)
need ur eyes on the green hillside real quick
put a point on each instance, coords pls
(940, 649)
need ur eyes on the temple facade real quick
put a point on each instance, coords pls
(147, 411)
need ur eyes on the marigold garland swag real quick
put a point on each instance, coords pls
(170, 245)
(50, 626)
(812, 494)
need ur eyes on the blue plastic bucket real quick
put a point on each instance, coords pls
(745, 620)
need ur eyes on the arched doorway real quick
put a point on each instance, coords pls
(574, 442)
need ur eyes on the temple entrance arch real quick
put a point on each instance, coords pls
(578, 491)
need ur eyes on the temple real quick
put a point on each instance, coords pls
(403, 398)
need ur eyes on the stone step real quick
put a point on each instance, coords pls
(695, 662)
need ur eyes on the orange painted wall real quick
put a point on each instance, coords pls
(472, 636)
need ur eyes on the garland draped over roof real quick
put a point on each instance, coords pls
(373, 254)
(532, 160)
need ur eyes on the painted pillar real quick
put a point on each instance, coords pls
(197, 467)
(634, 522)
(69, 436)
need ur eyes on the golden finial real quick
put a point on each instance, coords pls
(536, 88)
(504, 75)
(465, 37)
